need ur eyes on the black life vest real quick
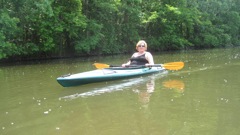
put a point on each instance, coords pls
(139, 60)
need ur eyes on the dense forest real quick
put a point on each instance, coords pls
(66, 28)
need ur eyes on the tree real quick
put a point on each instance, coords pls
(49, 28)
(8, 34)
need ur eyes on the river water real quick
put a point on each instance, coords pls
(201, 99)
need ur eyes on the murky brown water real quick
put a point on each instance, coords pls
(201, 99)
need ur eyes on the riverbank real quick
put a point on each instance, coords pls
(41, 58)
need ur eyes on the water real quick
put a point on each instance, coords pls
(202, 98)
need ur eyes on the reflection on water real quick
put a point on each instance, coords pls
(145, 93)
(177, 85)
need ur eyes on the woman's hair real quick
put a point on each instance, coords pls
(141, 42)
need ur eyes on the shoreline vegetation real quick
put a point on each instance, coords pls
(12, 60)
(42, 30)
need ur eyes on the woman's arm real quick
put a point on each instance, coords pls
(125, 64)
(128, 63)
(149, 57)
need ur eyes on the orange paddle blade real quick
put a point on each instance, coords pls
(101, 65)
(173, 65)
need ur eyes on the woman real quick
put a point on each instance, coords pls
(142, 57)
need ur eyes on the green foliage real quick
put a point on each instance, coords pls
(93, 27)
(210, 40)
(91, 40)
(7, 35)
(6, 48)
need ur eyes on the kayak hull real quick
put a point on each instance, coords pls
(107, 74)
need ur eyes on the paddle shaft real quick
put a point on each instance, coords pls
(155, 65)
(168, 66)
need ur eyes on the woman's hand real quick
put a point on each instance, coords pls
(148, 65)
(124, 65)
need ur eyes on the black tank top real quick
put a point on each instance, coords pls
(139, 60)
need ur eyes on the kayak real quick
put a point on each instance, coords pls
(118, 85)
(106, 74)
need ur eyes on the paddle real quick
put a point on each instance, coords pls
(169, 66)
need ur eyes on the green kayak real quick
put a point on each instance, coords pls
(106, 74)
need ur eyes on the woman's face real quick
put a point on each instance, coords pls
(141, 48)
